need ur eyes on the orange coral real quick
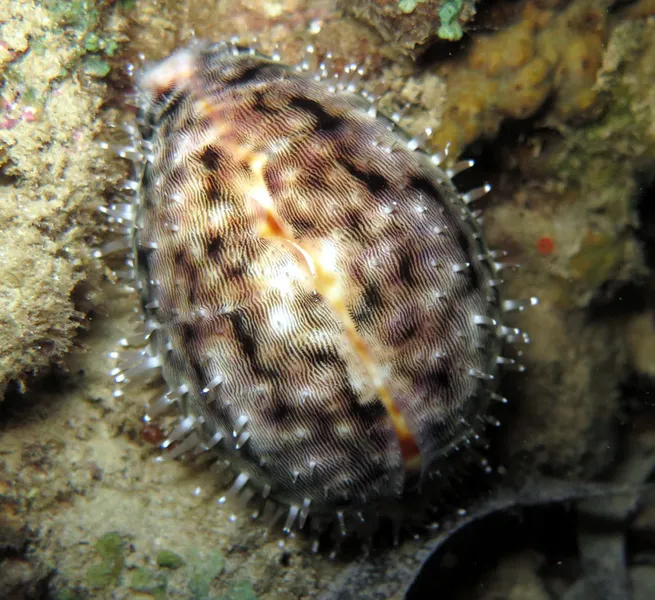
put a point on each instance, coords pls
(546, 52)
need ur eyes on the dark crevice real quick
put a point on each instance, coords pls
(23, 399)
(7, 180)
(442, 51)
(501, 154)
(473, 552)
(637, 398)
(644, 207)
(619, 299)
(619, 5)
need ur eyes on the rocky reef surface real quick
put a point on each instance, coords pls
(54, 177)
(555, 101)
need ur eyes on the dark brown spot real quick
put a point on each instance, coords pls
(370, 304)
(235, 270)
(189, 334)
(246, 340)
(373, 296)
(324, 120)
(368, 413)
(211, 158)
(179, 258)
(314, 179)
(280, 410)
(437, 380)
(302, 225)
(214, 246)
(354, 223)
(402, 329)
(374, 182)
(249, 74)
(405, 269)
(260, 103)
(324, 356)
(214, 190)
(425, 186)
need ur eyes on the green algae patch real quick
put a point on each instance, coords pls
(82, 21)
(96, 66)
(145, 581)
(79, 14)
(169, 560)
(242, 590)
(408, 6)
(449, 13)
(203, 570)
(450, 28)
(108, 572)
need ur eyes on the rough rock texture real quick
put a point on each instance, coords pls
(408, 26)
(52, 179)
(532, 52)
(574, 193)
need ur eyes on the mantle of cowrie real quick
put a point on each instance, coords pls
(316, 294)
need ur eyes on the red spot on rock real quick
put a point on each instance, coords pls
(545, 245)
(152, 434)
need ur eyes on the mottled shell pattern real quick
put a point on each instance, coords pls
(316, 293)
